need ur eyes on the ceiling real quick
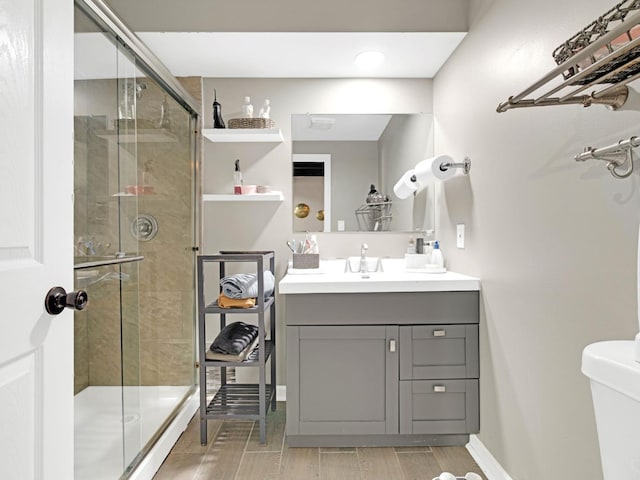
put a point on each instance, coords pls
(277, 54)
(304, 54)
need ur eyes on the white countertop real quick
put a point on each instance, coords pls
(331, 278)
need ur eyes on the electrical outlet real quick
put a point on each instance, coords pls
(460, 235)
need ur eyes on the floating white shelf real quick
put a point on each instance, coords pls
(253, 197)
(273, 135)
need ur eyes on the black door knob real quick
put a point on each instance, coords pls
(57, 299)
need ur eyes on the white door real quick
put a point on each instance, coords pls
(36, 238)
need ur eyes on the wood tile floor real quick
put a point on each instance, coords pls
(234, 453)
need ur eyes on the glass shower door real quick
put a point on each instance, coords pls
(106, 254)
(163, 354)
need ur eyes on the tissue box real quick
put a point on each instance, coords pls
(306, 260)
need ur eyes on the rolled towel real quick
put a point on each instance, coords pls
(245, 285)
(234, 338)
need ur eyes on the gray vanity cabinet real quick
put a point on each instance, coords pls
(382, 369)
(343, 380)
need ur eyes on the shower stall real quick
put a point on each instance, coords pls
(135, 243)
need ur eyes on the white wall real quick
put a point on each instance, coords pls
(552, 240)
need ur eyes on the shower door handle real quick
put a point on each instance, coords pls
(58, 299)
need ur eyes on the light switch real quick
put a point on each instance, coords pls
(341, 225)
(460, 235)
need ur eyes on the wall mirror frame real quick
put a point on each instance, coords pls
(364, 150)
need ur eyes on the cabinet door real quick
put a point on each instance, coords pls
(342, 380)
(438, 351)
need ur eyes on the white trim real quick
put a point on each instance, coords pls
(487, 463)
(281, 393)
(152, 462)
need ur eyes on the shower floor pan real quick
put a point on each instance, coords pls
(104, 434)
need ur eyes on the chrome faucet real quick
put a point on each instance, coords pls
(363, 258)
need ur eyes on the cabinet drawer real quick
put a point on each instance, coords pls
(439, 351)
(439, 407)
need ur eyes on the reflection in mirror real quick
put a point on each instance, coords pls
(362, 150)
(311, 186)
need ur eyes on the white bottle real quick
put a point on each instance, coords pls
(314, 245)
(247, 108)
(436, 256)
(428, 250)
(265, 111)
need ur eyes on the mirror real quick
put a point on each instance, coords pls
(337, 158)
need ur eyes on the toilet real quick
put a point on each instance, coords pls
(615, 387)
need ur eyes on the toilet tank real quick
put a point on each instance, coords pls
(615, 388)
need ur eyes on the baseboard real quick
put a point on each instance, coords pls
(487, 463)
(150, 465)
(281, 393)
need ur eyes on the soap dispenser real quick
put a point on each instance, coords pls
(436, 256)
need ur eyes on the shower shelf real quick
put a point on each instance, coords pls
(231, 400)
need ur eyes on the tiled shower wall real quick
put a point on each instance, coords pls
(157, 327)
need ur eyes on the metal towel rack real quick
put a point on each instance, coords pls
(617, 156)
(613, 95)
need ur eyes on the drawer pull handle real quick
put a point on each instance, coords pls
(439, 333)
(392, 346)
(439, 388)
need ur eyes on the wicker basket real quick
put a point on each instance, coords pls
(593, 32)
(251, 123)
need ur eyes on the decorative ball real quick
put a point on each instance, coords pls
(301, 210)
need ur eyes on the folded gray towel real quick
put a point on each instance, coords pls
(234, 338)
(245, 285)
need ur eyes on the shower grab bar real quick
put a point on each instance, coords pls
(110, 261)
(616, 155)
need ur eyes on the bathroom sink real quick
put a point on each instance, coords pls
(333, 276)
